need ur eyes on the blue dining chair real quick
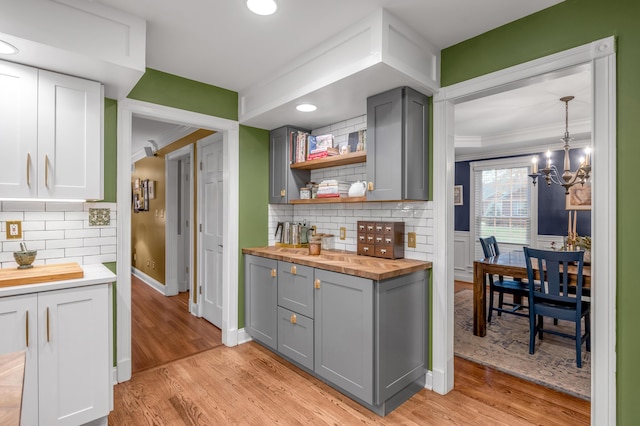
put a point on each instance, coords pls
(502, 286)
(554, 296)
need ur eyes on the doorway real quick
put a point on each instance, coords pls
(230, 134)
(600, 55)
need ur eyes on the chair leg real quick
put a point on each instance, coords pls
(490, 305)
(540, 326)
(532, 332)
(578, 343)
(500, 301)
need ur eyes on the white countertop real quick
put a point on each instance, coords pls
(93, 274)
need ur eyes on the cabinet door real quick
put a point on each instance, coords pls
(18, 332)
(295, 288)
(385, 145)
(261, 299)
(70, 148)
(398, 145)
(18, 130)
(415, 163)
(295, 337)
(73, 333)
(284, 183)
(343, 326)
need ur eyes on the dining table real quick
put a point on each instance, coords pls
(511, 264)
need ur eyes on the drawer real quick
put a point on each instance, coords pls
(362, 238)
(370, 239)
(371, 228)
(366, 249)
(295, 337)
(295, 288)
(362, 227)
(384, 251)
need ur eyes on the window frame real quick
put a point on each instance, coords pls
(500, 163)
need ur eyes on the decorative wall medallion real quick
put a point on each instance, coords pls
(99, 217)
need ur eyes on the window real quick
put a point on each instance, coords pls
(504, 203)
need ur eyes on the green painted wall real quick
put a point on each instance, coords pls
(566, 25)
(110, 149)
(170, 90)
(254, 199)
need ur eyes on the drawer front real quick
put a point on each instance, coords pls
(295, 288)
(366, 249)
(384, 251)
(295, 337)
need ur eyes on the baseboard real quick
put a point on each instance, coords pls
(123, 370)
(463, 276)
(150, 281)
(428, 384)
(243, 337)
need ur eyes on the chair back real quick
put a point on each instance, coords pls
(554, 286)
(489, 246)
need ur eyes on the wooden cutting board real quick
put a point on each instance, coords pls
(40, 274)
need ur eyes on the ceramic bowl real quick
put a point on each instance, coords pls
(24, 259)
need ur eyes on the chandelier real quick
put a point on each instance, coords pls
(550, 172)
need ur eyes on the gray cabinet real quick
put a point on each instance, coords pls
(398, 145)
(261, 295)
(344, 332)
(284, 182)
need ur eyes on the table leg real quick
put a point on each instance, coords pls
(479, 301)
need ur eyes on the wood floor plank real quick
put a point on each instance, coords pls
(250, 385)
(163, 330)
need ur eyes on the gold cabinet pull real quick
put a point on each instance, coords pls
(273, 273)
(293, 270)
(293, 319)
(283, 192)
(48, 336)
(28, 170)
(370, 186)
(316, 283)
(46, 171)
(27, 329)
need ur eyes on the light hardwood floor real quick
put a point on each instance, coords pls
(249, 385)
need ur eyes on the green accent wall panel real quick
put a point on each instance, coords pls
(569, 24)
(171, 90)
(253, 199)
(110, 149)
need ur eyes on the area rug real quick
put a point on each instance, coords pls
(506, 348)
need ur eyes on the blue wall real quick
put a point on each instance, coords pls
(552, 216)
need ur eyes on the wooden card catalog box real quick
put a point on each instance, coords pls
(381, 239)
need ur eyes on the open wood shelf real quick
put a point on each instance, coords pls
(330, 200)
(335, 160)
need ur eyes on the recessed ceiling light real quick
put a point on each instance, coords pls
(262, 7)
(7, 49)
(306, 107)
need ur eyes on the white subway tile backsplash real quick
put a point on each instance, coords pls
(59, 231)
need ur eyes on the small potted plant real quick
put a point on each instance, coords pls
(585, 244)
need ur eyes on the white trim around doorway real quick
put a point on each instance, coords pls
(601, 56)
(230, 130)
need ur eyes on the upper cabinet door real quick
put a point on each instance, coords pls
(18, 130)
(70, 154)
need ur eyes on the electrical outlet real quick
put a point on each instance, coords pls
(148, 263)
(412, 239)
(14, 230)
(153, 265)
(343, 233)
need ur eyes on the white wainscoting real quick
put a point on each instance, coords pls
(463, 259)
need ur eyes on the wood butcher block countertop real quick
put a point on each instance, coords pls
(344, 262)
(11, 383)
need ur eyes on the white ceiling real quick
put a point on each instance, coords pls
(193, 38)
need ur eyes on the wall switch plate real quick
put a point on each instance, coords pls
(343, 233)
(14, 230)
(412, 239)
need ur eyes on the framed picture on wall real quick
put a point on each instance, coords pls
(457, 195)
(579, 197)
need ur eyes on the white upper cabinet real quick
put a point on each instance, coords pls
(18, 130)
(51, 135)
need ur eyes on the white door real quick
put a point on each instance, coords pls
(211, 217)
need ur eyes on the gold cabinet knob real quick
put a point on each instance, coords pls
(293, 319)
(370, 186)
(283, 192)
(273, 273)
(316, 283)
(293, 270)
